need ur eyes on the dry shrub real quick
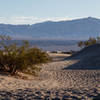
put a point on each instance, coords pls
(15, 58)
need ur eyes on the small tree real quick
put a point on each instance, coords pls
(81, 44)
(92, 41)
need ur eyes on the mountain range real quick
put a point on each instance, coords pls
(72, 29)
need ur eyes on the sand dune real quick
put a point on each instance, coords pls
(54, 82)
(88, 58)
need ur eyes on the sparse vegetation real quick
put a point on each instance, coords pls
(89, 42)
(14, 58)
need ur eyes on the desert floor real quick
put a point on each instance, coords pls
(53, 83)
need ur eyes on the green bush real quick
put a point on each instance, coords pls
(89, 42)
(15, 58)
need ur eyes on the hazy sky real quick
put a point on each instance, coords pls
(32, 11)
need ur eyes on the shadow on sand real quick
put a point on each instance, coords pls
(87, 59)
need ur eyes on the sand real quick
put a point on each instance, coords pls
(54, 83)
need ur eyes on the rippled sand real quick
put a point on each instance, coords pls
(54, 82)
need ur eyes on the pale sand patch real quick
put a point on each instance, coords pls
(58, 56)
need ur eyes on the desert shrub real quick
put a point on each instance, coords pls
(15, 58)
(81, 44)
(89, 42)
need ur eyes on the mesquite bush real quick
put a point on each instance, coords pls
(15, 58)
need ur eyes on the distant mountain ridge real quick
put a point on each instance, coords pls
(73, 29)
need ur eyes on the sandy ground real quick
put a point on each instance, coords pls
(53, 83)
